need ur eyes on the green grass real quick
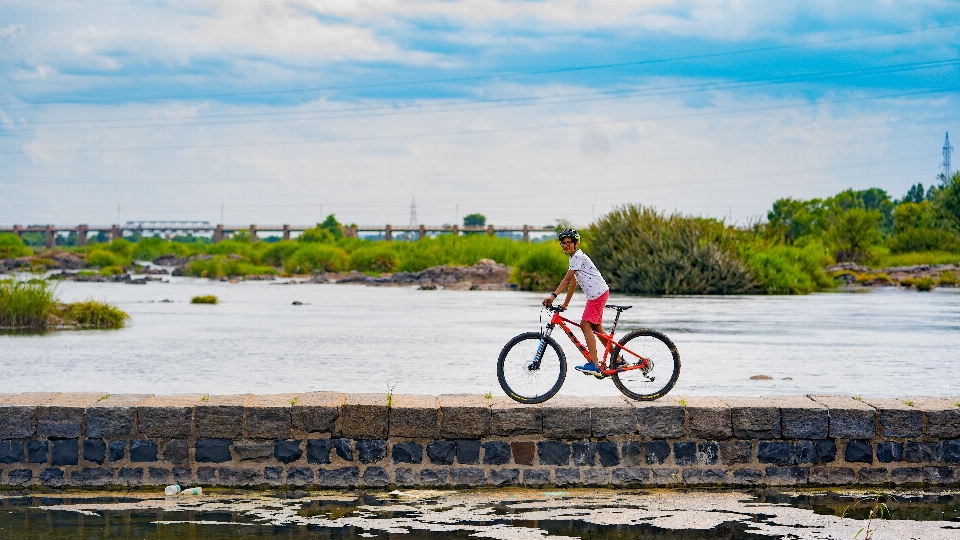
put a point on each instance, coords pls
(26, 304)
(93, 314)
(882, 258)
(11, 247)
(205, 299)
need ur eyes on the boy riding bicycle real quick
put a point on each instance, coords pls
(582, 270)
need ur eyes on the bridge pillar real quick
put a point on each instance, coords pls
(456, 230)
(388, 234)
(18, 231)
(116, 233)
(490, 230)
(350, 231)
(423, 232)
(253, 233)
(81, 235)
(49, 236)
(218, 234)
(286, 232)
(526, 233)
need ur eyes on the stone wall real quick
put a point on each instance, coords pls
(331, 439)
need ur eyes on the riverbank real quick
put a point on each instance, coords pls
(328, 439)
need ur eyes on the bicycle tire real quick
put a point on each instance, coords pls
(666, 357)
(519, 366)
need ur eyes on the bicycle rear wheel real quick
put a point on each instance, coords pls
(531, 368)
(662, 373)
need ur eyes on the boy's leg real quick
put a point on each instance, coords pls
(591, 340)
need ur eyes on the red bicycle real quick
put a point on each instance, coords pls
(644, 364)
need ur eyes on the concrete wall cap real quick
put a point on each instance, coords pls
(320, 399)
(172, 400)
(30, 399)
(74, 399)
(228, 400)
(794, 402)
(260, 401)
(5, 397)
(404, 401)
(926, 403)
(888, 404)
(121, 400)
(840, 402)
(365, 399)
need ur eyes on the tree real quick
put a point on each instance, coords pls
(946, 201)
(853, 232)
(331, 224)
(915, 194)
(474, 220)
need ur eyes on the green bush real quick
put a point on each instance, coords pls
(915, 239)
(225, 267)
(376, 258)
(542, 269)
(26, 304)
(148, 249)
(317, 235)
(782, 269)
(11, 246)
(641, 251)
(312, 257)
(275, 254)
(102, 258)
(205, 299)
(93, 314)
(853, 232)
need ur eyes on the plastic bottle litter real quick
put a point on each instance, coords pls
(171, 490)
(193, 491)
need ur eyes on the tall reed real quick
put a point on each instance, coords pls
(26, 304)
(93, 314)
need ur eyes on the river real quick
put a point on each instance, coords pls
(353, 338)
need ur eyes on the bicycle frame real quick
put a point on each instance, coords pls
(558, 319)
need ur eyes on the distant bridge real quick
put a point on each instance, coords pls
(220, 232)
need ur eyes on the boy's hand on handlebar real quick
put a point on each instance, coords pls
(548, 301)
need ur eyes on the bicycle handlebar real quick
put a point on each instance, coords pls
(558, 309)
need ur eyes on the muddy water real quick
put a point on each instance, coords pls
(505, 513)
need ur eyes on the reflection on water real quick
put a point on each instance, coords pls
(503, 513)
(360, 339)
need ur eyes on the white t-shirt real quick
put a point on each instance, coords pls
(589, 278)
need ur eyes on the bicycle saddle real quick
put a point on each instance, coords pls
(618, 308)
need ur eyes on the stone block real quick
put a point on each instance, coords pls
(504, 477)
(496, 453)
(159, 476)
(18, 414)
(207, 475)
(941, 415)
(342, 477)
(938, 475)
(268, 416)
(951, 451)
(94, 450)
(317, 412)
(832, 476)
(248, 449)
(52, 477)
(414, 417)
(62, 416)
(566, 417)
(661, 419)
(344, 449)
(733, 452)
(12, 452)
(804, 452)
(536, 477)
(897, 419)
(754, 418)
(183, 475)
(467, 476)
(566, 477)
(858, 451)
(442, 452)
(786, 476)
(296, 476)
(376, 477)
(273, 475)
(239, 476)
(629, 476)
(872, 476)
(692, 476)
(220, 417)
(288, 451)
(408, 452)
(923, 452)
(685, 453)
(708, 453)
(709, 418)
(523, 452)
(167, 416)
(433, 477)
(115, 416)
(748, 476)
(802, 417)
(176, 451)
(657, 452)
(318, 451)
(612, 415)
(553, 453)
(64, 452)
(130, 476)
(583, 453)
(116, 450)
(143, 451)
(907, 475)
(211, 451)
(716, 477)
(364, 416)
(464, 416)
(19, 477)
(510, 419)
(849, 418)
(608, 453)
(889, 452)
(632, 453)
(468, 452)
(666, 477)
(88, 477)
(37, 451)
(371, 450)
(404, 477)
(826, 451)
(596, 477)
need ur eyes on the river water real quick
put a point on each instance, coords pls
(353, 338)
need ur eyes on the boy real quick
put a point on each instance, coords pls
(583, 271)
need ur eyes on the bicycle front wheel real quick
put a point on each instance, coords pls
(661, 372)
(531, 368)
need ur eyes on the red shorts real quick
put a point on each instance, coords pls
(594, 310)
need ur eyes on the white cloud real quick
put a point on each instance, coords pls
(11, 32)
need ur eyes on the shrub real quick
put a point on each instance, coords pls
(224, 267)
(642, 251)
(783, 269)
(948, 279)
(317, 235)
(276, 254)
(26, 304)
(376, 258)
(148, 249)
(924, 283)
(93, 314)
(111, 271)
(103, 258)
(869, 278)
(914, 239)
(542, 269)
(316, 257)
(854, 232)
(11, 246)
(205, 299)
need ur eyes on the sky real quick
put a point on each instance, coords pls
(273, 112)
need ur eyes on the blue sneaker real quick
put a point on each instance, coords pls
(590, 369)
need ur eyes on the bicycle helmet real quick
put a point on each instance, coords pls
(569, 233)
